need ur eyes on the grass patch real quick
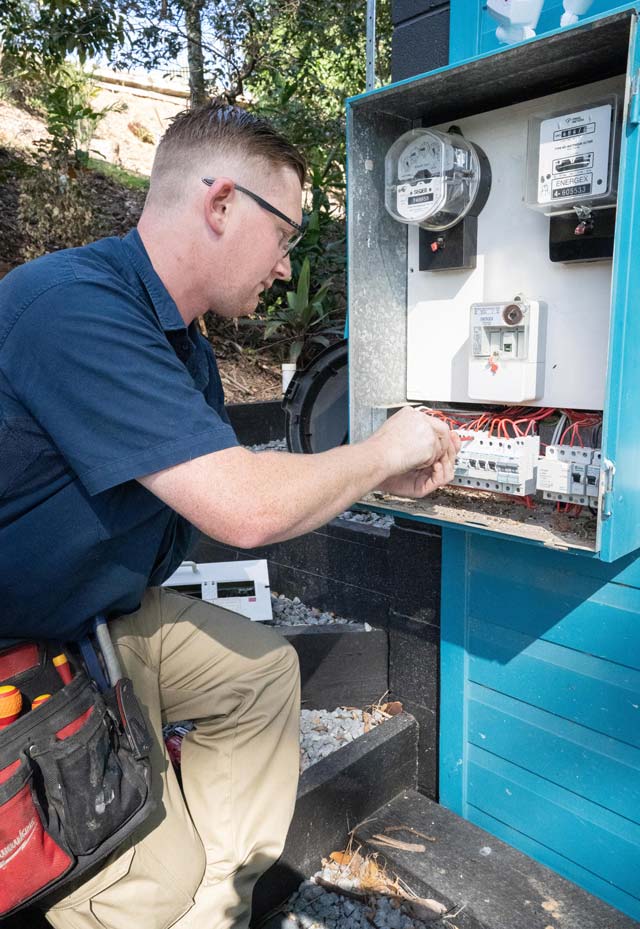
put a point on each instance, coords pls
(129, 179)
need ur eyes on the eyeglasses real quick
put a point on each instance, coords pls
(288, 244)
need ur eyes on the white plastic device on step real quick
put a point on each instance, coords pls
(240, 586)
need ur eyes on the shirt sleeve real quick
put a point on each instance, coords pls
(93, 365)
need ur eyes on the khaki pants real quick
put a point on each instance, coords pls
(194, 863)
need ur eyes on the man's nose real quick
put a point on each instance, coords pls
(282, 269)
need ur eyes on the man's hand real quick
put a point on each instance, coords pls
(420, 452)
(419, 482)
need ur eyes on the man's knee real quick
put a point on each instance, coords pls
(290, 662)
(283, 657)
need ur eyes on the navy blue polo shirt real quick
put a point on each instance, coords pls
(100, 383)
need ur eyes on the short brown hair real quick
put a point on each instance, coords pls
(219, 126)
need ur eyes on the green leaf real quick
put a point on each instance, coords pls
(295, 350)
(271, 328)
(303, 285)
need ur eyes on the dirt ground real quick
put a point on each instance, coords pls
(245, 379)
(115, 140)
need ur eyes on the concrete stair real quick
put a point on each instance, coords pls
(483, 882)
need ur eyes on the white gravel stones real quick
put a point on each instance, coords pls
(324, 731)
(367, 519)
(288, 612)
(275, 445)
(313, 907)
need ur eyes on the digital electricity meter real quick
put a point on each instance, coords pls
(432, 178)
(571, 158)
(507, 351)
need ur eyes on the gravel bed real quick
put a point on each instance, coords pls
(314, 907)
(275, 445)
(367, 519)
(288, 612)
(323, 732)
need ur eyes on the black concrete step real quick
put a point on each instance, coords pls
(500, 889)
(334, 795)
(340, 665)
(257, 423)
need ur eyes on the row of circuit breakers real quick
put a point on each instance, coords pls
(566, 473)
(440, 181)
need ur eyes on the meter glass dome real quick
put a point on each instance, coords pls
(431, 178)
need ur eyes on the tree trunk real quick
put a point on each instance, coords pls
(193, 11)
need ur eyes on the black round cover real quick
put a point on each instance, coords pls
(316, 403)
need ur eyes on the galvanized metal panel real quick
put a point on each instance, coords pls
(377, 252)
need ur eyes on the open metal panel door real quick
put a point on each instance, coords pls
(620, 520)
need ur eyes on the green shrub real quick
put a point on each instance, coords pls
(70, 118)
(54, 212)
(304, 322)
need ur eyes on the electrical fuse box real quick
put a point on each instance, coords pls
(501, 465)
(558, 120)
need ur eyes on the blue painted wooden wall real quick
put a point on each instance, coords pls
(540, 706)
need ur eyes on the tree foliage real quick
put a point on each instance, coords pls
(294, 61)
(44, 32)
(227, 40)
(320, 49)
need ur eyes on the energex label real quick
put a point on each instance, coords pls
(484, 317)
(420, 199)
(574, 156)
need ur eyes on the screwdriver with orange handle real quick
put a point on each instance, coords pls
(62, 666)
(10, 704)
(39, 700)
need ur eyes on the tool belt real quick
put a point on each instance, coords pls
(74, 773)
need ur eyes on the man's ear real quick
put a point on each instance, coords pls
(218, 200)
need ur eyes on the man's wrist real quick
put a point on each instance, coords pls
(381, 457)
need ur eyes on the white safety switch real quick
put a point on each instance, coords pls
(507, 351)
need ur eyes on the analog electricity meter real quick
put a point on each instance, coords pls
(433, 178)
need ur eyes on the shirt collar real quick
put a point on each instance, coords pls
(163, 303)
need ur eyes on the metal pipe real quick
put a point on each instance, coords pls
(371, 44)
(111, 662)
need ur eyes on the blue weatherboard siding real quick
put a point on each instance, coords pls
(540, 706)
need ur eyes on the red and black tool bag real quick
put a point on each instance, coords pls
(74, 783)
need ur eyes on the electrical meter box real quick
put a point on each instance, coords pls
(494, 229)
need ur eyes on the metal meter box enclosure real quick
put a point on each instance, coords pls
(423, 336)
